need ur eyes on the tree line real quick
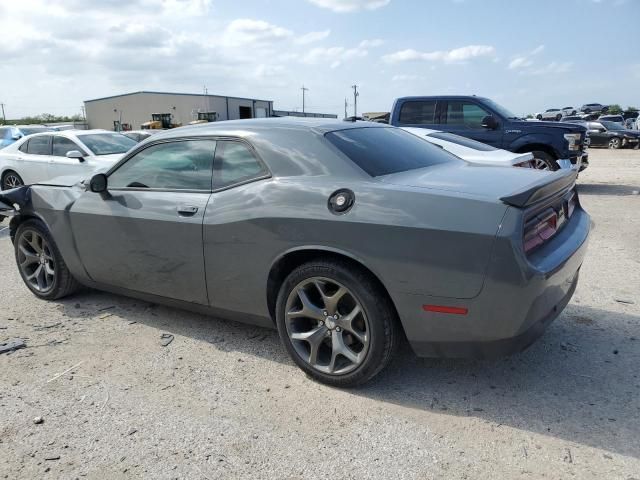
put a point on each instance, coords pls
(44, 118)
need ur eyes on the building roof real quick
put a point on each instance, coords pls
(175, 93)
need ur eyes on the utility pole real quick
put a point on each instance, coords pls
(4, 118)
(355, 100)
(304, 89)
(346, 104)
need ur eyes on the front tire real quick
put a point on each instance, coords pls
(615, 143)
(40, 264)
(11, 179)
(539, 117)
(336, 322)
(558, 117)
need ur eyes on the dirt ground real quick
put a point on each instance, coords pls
(224, 401)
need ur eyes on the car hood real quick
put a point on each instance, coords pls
(72, 180)
(541, 125)
(476, 180)
(494, 158)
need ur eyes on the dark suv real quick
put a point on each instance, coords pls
(553, 144)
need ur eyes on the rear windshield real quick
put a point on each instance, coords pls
(381, 151)
(107, 143)
(465, 142)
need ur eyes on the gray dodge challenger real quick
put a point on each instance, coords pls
(345, 236)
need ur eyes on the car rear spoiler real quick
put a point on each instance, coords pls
(542, 189)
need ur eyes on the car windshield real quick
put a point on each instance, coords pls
(500, 109)
(463, 141)
(382, 151)
(30, 130)
(107, 143)
(612, 126)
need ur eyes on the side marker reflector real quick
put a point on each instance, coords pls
(445, 309)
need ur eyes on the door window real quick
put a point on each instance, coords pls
(180, 165)
(465, 114)
(235, 163)
(416, 113)
(39, 145)
(62, 145)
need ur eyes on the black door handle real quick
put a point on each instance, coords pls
(187, 210)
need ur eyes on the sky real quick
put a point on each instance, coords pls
(527, 55)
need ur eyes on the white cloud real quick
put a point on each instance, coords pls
(456, 55)
(346, 6)
(312, 37)
(404, 78)
(552, 68)
(246, 31)
(376, 42)
(334, 56)
(524, 60)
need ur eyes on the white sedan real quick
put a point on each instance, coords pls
(43, 156)
(473, 151)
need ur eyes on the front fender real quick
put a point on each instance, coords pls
(531, 139)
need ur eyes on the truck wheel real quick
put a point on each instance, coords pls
(543, 161)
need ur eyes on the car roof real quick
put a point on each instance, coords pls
(244, 127)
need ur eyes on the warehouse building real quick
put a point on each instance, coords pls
(132, 110)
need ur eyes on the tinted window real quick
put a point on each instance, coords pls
(24, 146)
(107, 143)
(39, 145)
(235, 163)
(418, 112)
(595, 126)
(612, 126)
(465, 142)
(468, 114)
(381, 151)
(62, 145)
(182, 165)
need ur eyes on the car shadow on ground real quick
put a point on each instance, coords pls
(579, 382)
(607, 189)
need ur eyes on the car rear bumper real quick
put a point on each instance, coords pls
(518, 301)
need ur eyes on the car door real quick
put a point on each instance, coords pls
(32, 161)
(597, 135)
(230, 233)
(145, 233)
(60, 165)
(464, 117)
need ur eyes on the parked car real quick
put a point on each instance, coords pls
(139, 135)
(11, 133)
(318, 228)
(612, 135)
(485, 121)
(612, 118)
(594, 108)
(472, 151)
(569, 118)
(569, 111)
(631, 124)
(43, 156)
(550, 114)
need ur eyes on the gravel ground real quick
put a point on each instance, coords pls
(224, 401)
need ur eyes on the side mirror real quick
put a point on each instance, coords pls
(75, 154)
(17, 136)
(489, 122)
(98, 183)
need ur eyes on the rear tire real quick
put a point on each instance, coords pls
(317, 331)
(543, 161)
(558, 117)
(539, 117)
(11, 179)
(40, 263)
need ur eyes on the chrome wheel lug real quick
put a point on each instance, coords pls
(321, 323)
(338, 329)
(325, 313)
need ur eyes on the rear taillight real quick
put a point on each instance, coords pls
(540, 229)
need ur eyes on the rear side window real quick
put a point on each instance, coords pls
(24, 146)
(465, 142)
(418, 112)
(381, 151)
(468, 114)
(39, 145)
(235, 163)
